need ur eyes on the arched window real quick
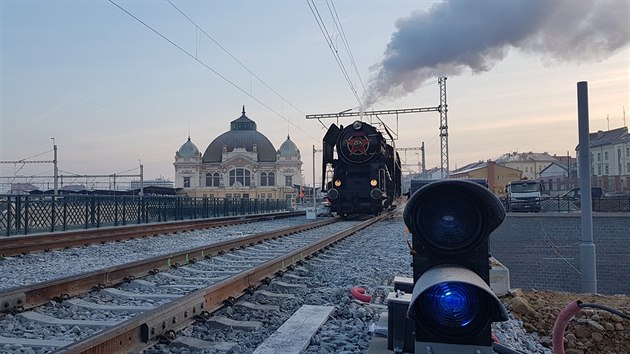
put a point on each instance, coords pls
(271, 179)
(263, 178)
(240, 175)
(212, 179)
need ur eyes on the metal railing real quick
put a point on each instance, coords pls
(614, 204)
(25, 214)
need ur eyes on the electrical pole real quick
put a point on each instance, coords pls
(55, 169)
(587, 246)
(424, 166)
(314, 151)
(443, 109)
(141, 193)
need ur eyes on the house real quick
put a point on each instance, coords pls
(530, 163)
(498, 176)
(610, 159)
(555, 178)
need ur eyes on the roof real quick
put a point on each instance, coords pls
(470, 167)
(554, 165)
(242, 134)
(187, 150)
(609, 137)
(525, 157)
(243, 123)
(288, 148)
(477, 166)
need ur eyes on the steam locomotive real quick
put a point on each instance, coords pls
(365, 170)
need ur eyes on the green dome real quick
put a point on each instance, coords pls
(288, 148)
(188, 150)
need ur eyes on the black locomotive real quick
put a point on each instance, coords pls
(366, 170)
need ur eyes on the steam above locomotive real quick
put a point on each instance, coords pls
(365, 170)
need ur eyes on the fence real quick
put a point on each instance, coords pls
(563, 204)
(25, 214)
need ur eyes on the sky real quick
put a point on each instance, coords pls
(115, 91)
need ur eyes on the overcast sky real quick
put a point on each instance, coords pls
(112, 91)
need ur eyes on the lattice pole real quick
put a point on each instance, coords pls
(443, 109)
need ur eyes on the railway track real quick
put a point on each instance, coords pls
(15, 245)
(232, 267)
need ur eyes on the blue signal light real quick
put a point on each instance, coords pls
(451, 304)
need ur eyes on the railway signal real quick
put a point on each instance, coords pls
(452, 304)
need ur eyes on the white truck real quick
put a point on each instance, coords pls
(523, 195)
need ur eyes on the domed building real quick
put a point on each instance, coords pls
(240, 163)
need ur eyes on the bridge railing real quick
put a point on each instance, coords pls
(26, 214)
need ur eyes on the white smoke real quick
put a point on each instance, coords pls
(455, 35)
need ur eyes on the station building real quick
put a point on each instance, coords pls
(240, 163)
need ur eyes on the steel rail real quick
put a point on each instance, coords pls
(29, 296)
(145, 330)
(15, 245)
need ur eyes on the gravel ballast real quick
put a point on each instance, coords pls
(370, 259)
(38, 267)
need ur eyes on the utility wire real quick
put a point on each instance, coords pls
(337, 21)
(209, 68)
(28, 158)
(333, 49)
(233, 57)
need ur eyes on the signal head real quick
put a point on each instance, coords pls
(452, 303)
(451, 216)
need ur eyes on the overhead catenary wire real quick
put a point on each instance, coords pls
(333, 49)
(197, 27)
(337, 22)
(193, 57)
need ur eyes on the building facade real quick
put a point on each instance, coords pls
(240, 163)
(498, 176)
(530, 163)
(610, 159)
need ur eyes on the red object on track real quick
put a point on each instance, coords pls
(359, 294)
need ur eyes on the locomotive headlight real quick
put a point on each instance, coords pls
(373, 183)
(338, 183)
(357, 125)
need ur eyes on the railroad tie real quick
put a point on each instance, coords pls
(286, 285)
(113, 308)
(113, 292)
(224, 322)
(38, 317)
(261, 307)
(270, 294)
(33, 342)
(196, 344)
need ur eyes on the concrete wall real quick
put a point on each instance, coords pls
(542, 251)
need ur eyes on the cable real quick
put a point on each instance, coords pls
(209, 68)
(233, 57)
(337, 22)
(554, 248)
(605, 308)
(570, 310)
(328, 38)
(45, 152)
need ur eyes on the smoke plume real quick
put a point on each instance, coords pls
(455, 35)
